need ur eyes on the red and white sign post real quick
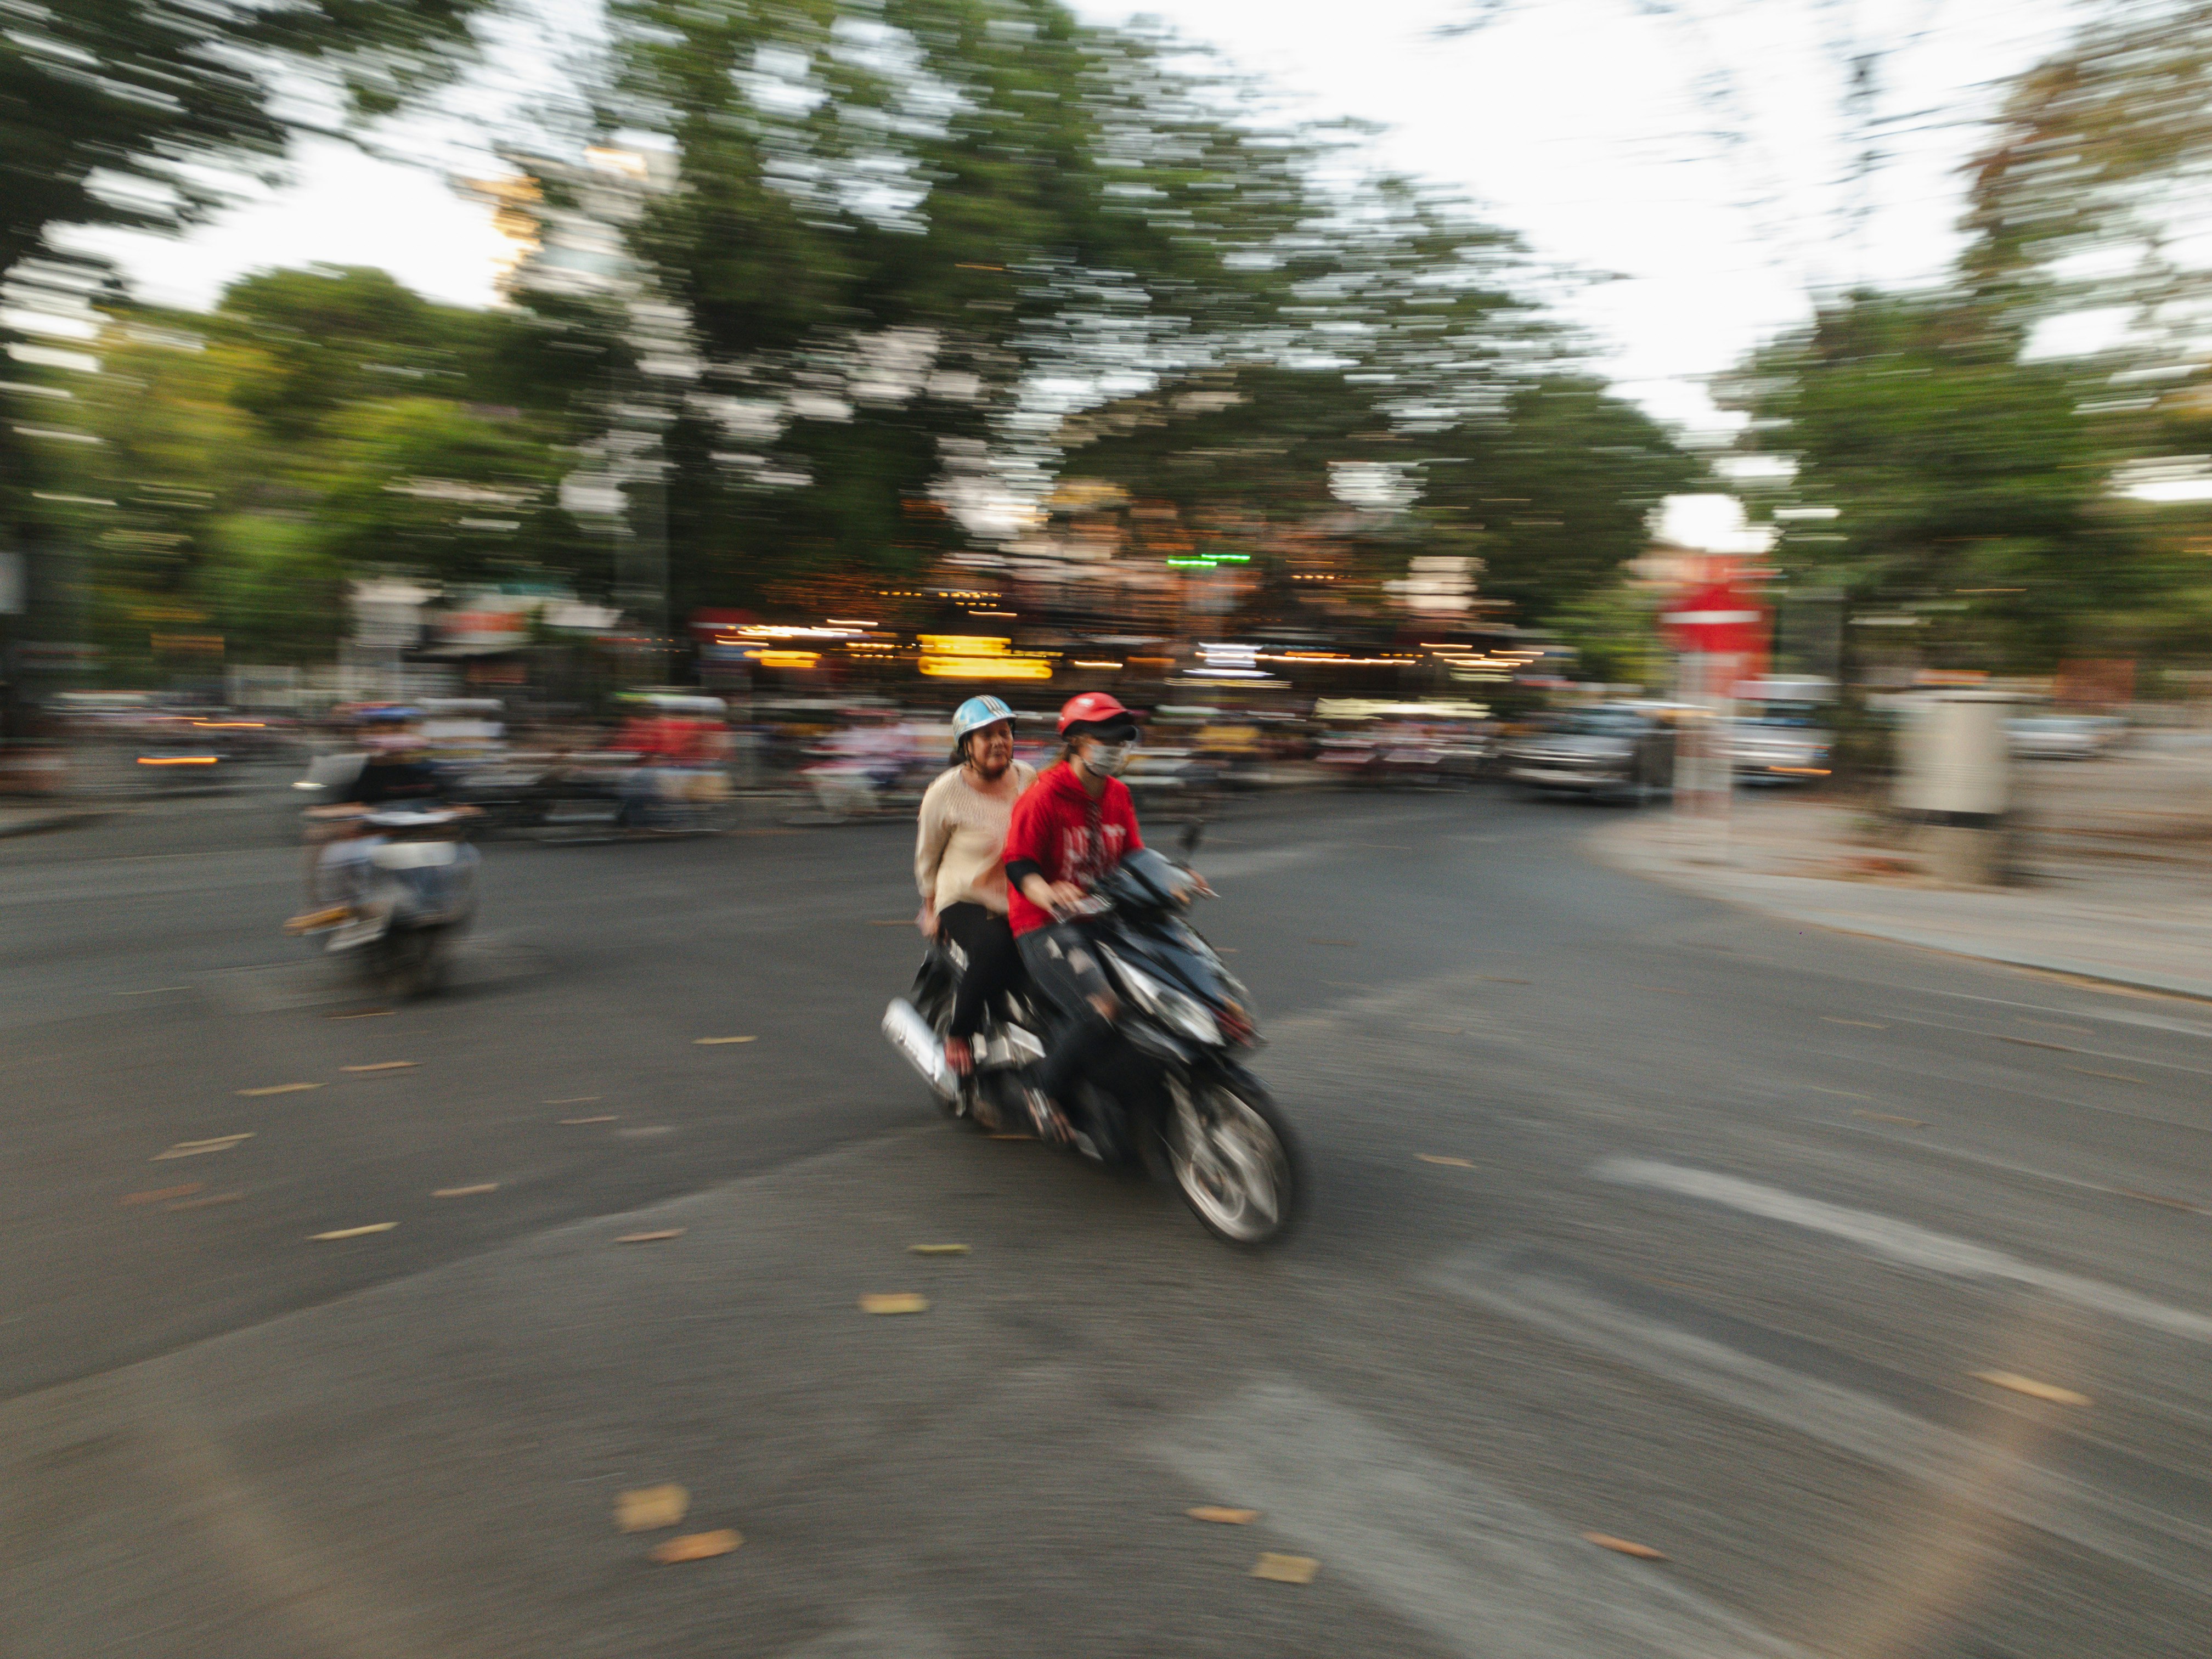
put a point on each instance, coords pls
(1719, 631)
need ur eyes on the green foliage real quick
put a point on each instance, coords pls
(1560, 481)
(1615, 632)
(1549, 480)
(425, 486)
(1971, 487)
(133, 112)
(2102, 149)
(1036, 217)
(318, 425)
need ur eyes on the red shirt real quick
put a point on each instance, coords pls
(1071, 837)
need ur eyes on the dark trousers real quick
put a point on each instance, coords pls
(1065, 972)
(993, 966)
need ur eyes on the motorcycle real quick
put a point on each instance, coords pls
(1172, 1096)
(395, 896)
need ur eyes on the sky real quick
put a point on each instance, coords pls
(1695, 158)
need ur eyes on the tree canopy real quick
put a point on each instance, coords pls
(132, 111)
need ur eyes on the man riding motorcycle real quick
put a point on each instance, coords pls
(1076, 824)
(959, 862)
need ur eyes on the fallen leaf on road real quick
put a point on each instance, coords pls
(695, 1546)
(204, 1203)
(1845, 1093)
(1228, 950)
(1891, 1117)
(604, 1117)
(651, 1238)
(466, 1191)
(195, 1148)
(279, 1089)
(1870, 1024)
(384, 1065)
(356, 1232)
(577, 1100)
(2156, 1198)
(938, 1249)
(1226, 1518)
(2114, 1077)
(1286, 1569)
(649, 1508)
(160, 1193)
(366, 1013)
(1439, 1157)
(1606, 1540)
(2032, 1389)
(895, 1302)
(710, 1042)
(2030, 1043)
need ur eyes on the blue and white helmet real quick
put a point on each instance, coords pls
(977, 713)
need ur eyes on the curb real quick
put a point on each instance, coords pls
(2137, 979)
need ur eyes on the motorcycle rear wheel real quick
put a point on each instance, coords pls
(1235, 1159)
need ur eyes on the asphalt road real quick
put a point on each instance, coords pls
(1637, 1216)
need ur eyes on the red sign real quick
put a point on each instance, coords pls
(1718, 618)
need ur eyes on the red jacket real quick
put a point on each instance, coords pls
(1057, 827)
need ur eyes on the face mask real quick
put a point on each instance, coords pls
(1107, 759)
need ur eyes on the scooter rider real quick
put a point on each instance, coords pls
(1069, 830)
(960, 854)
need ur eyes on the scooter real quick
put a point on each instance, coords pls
(396, 895)
(1172, 1096)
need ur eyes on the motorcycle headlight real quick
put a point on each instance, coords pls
(1173, 1008)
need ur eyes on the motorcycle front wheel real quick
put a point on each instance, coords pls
(1235, 1159)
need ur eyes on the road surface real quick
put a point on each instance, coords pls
(1637, 1216)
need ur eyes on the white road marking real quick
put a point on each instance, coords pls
(1477, 1568)
(1983, 1472)
(1903, 1242)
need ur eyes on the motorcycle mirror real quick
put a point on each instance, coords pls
(1193, 832)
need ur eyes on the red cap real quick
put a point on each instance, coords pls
(1091, 708)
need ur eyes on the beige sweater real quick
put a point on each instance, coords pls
(960, 853)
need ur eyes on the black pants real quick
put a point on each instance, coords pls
(993, 966)
(1065, 972)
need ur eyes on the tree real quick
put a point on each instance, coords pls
(2103, 149)
(901, 236)
(428, 486)
(1560, 480)
(130, 111)
(243, 464)
(1967, 487)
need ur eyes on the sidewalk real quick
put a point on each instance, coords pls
(2117, 868)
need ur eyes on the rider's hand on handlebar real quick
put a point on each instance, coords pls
(927, 919)
(1065, 896)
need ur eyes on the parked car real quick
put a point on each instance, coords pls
(1779, 750)
(1784, 729)
(2063, 736)
(1609, 750)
